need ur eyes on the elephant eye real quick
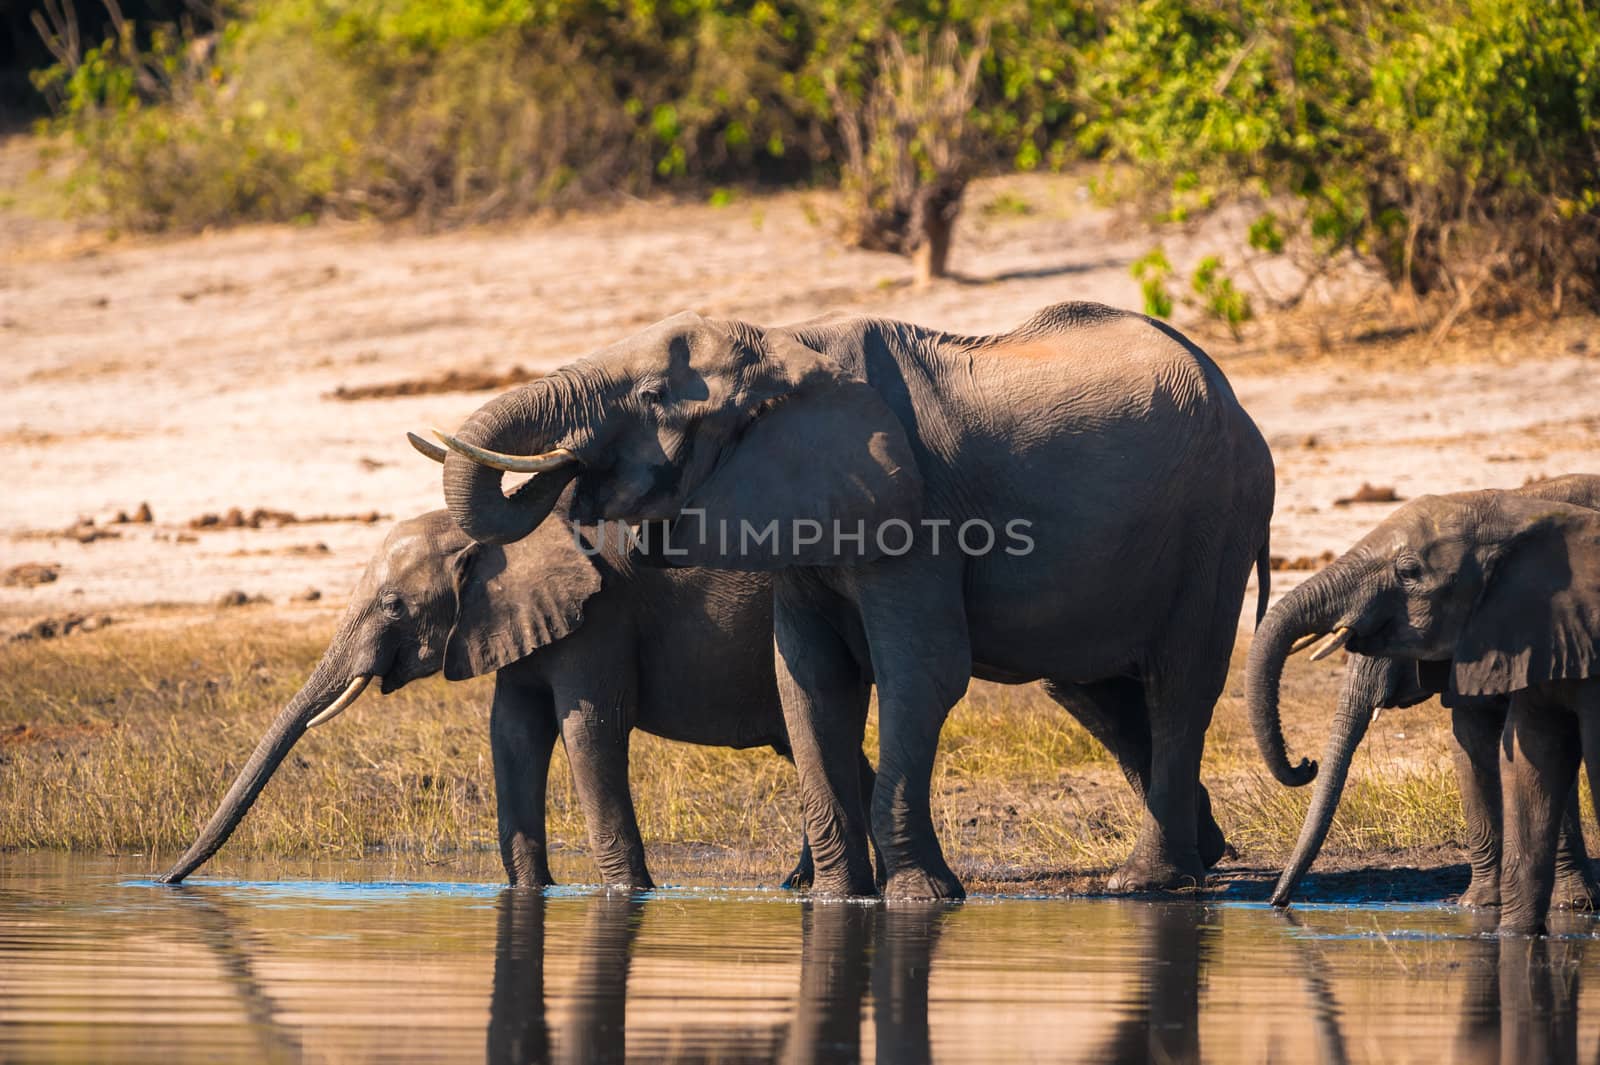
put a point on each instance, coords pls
(652, 393)
(392, 605)
(1408, 568)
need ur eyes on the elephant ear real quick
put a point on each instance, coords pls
(1538, 617)
(811, 482)
(515, 598)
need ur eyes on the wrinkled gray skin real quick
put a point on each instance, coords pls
(587, 648)
(1489, 596)
(1146, 487)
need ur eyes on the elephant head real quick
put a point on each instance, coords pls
(430, 600)
(707, 427)
(1474, 594)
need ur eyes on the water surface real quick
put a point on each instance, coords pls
(98, 964)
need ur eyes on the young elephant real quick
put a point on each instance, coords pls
(1502, 591)
(586, 647)
(1382, 683)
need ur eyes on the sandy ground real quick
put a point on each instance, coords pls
(195, 374)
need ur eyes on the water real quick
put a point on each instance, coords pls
(96, 964)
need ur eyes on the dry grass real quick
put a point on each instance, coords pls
(122, 741)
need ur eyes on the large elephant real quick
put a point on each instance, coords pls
(1077, 501)
(587, 646)
(1382, 683)
(1489, 595)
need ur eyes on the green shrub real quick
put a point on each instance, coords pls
(464, 109)
(1451, 143)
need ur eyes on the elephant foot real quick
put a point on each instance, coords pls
(537, 882)
(801, 876)
(1137, 875)
(1574, 891)
(843, 886)
(924, 884)
(635, 881)
(1481, 894)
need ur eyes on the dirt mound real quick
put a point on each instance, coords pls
(63, 625)
(237, 518)
(449, 381)
(31, 574)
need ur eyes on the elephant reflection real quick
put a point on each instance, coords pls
(232, 946)
(1162, 1023)
(596, 1027)
(847, 950)
(1522, 1002)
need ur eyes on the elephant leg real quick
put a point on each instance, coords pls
(804, 871)
(522, 737)
(1575, 884)
(1114, 712)
(825, 698)
(1538, 764)
(1167, 852)
(1476, 729)
(595, 733)
(921, 662)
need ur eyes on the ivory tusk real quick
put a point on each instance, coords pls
(1330, 643)
(496, 460)
(341, 704)
(1303, 642)
(427, 448)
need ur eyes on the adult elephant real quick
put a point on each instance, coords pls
(1381, 683)
(1078, 501)
(1502, 591)
(585, 645)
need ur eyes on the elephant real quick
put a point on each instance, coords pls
(871, 466)
(1380, 683)
(585, 646)
(1491, 595)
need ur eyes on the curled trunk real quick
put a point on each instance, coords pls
(319, 692)
(1367, 686)
(521, 422)
(1312, 608)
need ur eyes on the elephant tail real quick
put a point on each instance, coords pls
(1263, 580)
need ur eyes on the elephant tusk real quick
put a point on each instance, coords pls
(1330, 643)
(1303, 642)
(496, 460)
(427, 449)
(341, 704)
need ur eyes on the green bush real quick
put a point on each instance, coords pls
(1452, 143)
(464, 109)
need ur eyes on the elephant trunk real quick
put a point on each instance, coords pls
(328, 687)
(1311, 609)
(1365, 689)
(519, 422)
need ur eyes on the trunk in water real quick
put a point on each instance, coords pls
(1367, 687)
(519, 422)
(325, 685)
(1312, 608)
